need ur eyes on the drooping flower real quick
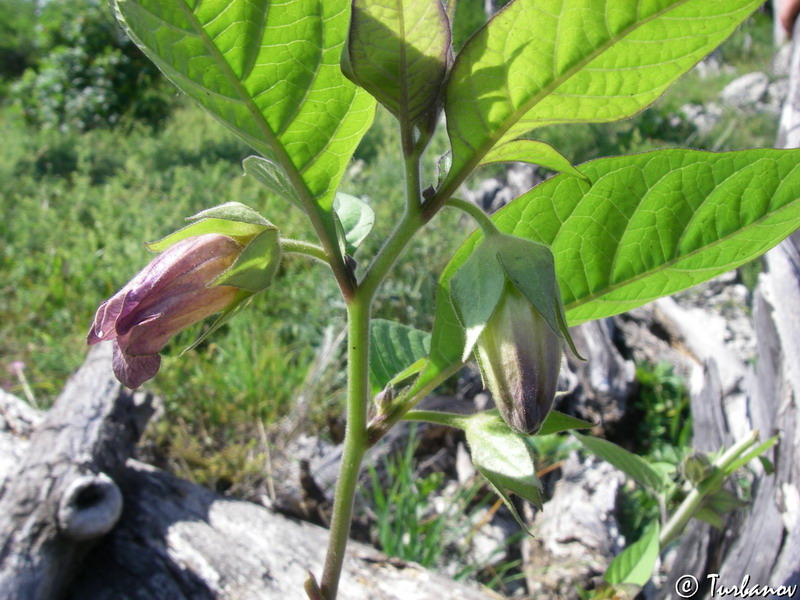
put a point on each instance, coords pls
(172, 292)
(520, 356)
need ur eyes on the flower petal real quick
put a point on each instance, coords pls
(133, 371)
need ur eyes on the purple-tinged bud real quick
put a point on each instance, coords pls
(520, 356)
(171, 293)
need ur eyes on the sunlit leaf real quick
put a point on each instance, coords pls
(270, 72)
(540, 62)
(647, 226)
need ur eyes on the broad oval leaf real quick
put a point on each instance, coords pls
(648, 226)
(399, 50)
(540, 62)
(268, 71)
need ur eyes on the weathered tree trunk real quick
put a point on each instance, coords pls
(81, 521)
(763, 541)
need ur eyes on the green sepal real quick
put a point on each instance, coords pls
(234, 229)
(232, 211)
(475, 290)
(556, 422)
(255, 267)
(531, 268)
(232, 219)
(504, 458)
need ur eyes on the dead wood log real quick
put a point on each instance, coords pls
(81, 521)
(63, 497)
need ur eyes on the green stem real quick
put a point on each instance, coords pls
(692, 502)
(355, 440)
(402, 234)
(314, 251)
(358, 313)
(447, 419)
(476, 212)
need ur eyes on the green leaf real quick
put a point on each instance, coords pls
(556, 422)
(393, 348)
(540, 62)
(504, 458)
(268, 71)
(475, 290)
(531, 151)
(723, 501)
(356, 218)
(629, 463)
(648, 226)
(398, 51)
(273, 177)
(709, 516)
(635, 564)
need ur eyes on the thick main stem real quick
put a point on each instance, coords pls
(359, 304)
(355, 440)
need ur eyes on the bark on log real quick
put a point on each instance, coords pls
(63, 496)
(171, 540)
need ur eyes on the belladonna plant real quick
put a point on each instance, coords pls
(594, 240)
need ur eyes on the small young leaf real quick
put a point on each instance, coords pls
(273, 177)
(531, 151)
(709, 516)
(631, 464)
(635, 564)
(503, 457)
(394, 347)
(556, 422)
(723, 501)
(399, 50)
(356, 218)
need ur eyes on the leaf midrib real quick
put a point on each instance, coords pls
(264, 127)
(449, 188)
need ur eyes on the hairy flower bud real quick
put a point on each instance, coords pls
(171, 293)
(520, 356)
